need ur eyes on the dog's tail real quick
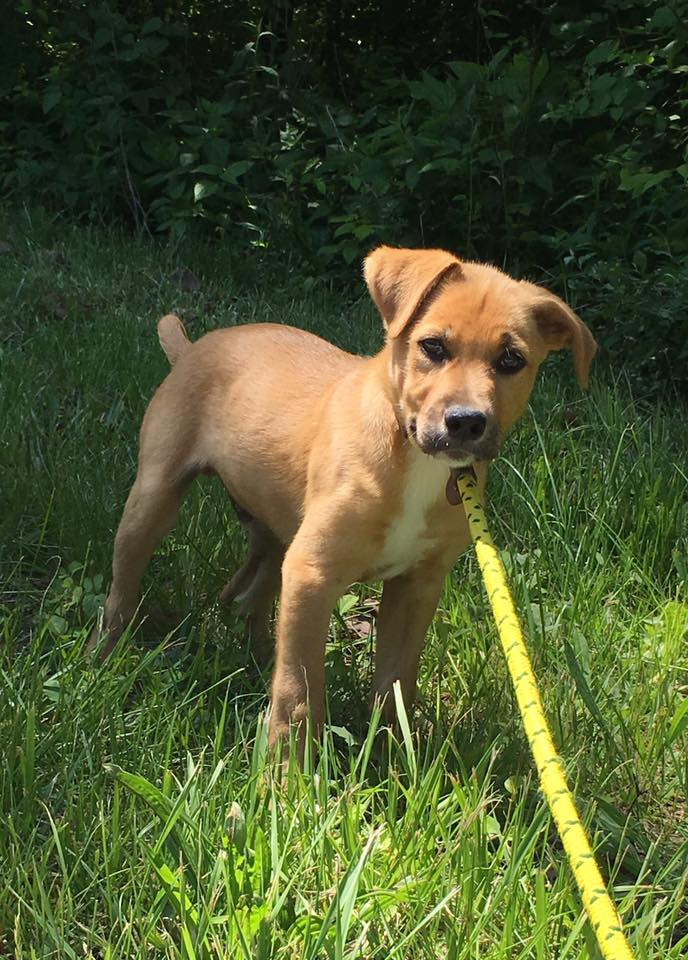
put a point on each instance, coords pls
(173, 337)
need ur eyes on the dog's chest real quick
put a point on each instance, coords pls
(408, 537)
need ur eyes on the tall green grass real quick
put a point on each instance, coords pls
(141, 815)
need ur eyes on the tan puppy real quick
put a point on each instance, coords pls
(342, 467)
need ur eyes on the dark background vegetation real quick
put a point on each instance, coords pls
(549, 138)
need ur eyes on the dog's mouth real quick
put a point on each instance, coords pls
(457, 457)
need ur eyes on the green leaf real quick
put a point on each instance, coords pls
(102, 37)
(412, 177)
(584, 691)
(203, 189)
(347, 603)
(679, 722)
(345, 229)
(150, 26)
(638, 183)
(340, 912)
(138, 785)
(57, 625)
(51, 98)
(232, 173)
(187, 913)
(405, 728)
(663, 18)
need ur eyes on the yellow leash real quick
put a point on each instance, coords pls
(600, 910)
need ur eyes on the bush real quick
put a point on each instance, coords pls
(544, 137)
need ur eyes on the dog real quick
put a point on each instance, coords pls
(343, 468)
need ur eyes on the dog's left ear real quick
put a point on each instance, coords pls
(400, 282)
(560, 327)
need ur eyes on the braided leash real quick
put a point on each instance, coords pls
(598, 905)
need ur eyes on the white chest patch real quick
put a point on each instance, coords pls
(406, 541)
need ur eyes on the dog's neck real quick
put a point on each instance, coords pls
(381, 368)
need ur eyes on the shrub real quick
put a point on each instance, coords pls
(545, 137)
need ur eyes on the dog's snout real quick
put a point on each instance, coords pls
(465, 425)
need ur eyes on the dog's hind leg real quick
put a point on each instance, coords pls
(150, 513)
(247, 571)
(256, 584)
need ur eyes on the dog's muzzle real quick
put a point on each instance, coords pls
(468, 435)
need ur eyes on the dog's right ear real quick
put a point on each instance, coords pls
(400, 282)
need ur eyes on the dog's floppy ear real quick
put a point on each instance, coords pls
(560, 327)
(401, 280)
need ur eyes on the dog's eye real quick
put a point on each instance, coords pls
(511, 361)
(434, 349)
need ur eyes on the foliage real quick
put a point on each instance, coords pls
(542, 136)
(518, 134)
(638, 317)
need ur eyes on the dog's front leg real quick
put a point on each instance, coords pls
(310, 588)
(406, 611)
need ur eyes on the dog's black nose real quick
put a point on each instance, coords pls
(465, 425)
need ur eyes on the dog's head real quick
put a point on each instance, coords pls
(465, 343)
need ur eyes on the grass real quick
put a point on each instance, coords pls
(141, 815)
